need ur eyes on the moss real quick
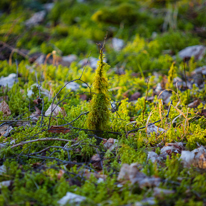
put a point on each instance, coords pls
(57, 10)
(144, 52)
(123, 13)
(75, 45)
(98, 117)
(18, 103)
(171, 75)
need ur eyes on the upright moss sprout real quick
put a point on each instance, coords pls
(98, 117)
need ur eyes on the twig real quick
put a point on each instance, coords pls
(43, 139)
(53, 158)
(79, 117)
(14, 49)
(79, 79)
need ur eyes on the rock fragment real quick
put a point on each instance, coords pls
(197, 51)
(196, 158)
(5, 183)
(8, 81)
(153, 156)
(71, 198)
(73, 86)
(158, 192)
(153, 128)
(37, 18)
(117, 44)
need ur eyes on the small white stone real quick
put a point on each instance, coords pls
(73, 86)
(5, 183)
(36, 18)
(2, 169)
(153, 156)
(8, 81)
(117, 44)
(197, 51)
(71, 198)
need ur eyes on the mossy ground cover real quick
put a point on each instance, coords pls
(49, 155)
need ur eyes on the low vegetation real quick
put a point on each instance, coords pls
(128, 128)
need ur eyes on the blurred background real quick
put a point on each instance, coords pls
(139, 34)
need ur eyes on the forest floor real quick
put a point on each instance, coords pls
(151, 146)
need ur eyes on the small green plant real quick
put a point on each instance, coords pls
(171, 75)
(98, 116)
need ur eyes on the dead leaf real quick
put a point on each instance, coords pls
(63, 112)
(60, 174)
(36, 164)
(35, 115)
(194, 104)
(37, 101)
(72, 181)
(126, 94)
(87, 174)
(111, 144)
(104, 141)
(3, 129)
(54, 110)
(96, 158)
(4, 107)
(7, 132)
(83, 97)
(177, 145)
(170, 148)
(58, 129)
(135, 96)
(96, 161)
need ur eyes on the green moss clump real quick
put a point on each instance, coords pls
(98, 117)
(123, 13)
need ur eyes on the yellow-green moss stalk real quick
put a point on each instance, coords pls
(98, 117)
